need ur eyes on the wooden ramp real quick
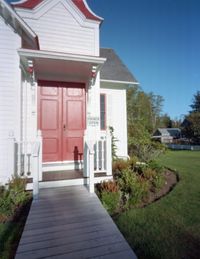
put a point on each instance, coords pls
(71, 223)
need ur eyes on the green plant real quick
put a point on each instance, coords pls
(6, 206)
(107, 186)
(110, 201)
(113, 141)
(17, 190)
(118, 166)
(134, 188)
(12, 198)
(156, 166)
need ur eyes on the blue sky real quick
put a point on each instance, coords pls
(159, 41)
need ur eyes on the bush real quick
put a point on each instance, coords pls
(119, 165)
(134, 187)
(110, 201)
(6, 206)
(110, 195)
(12, 198)
(17, 187)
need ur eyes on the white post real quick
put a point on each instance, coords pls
(39, 139)
(91, 185)
(35, 153)
(11, 155)
(108, 153)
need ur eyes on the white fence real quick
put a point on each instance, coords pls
(183, 147)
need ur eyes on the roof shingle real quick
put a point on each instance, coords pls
(114, 69)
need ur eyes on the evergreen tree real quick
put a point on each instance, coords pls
(196, 103)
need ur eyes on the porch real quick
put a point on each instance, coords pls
(71, 223)
(94, 166)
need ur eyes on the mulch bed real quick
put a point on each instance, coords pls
(171, 179)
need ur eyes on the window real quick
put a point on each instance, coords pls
(102, 111)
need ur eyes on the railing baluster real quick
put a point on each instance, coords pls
(102, 155)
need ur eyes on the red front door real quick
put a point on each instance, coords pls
(61, 118)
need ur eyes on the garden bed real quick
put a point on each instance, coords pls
(169, 227)
(15, 203)
(171, 179)
(135, 185)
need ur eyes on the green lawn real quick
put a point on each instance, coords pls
(170, 227)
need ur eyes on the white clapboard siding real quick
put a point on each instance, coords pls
(116, 116)
(9, 93)
(58, 30)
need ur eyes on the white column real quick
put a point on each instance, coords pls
(35, 159)
(91, 185)
(108, 153)
(11, 156)
(39, 139)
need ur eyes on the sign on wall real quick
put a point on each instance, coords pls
(93, 121)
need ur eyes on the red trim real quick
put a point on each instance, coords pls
(82, 7)
(105, 105)
(30, 4)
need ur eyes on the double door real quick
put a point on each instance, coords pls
(61, 118)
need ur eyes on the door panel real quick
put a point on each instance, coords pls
(49, 121)
(74, 121)
(61, 118)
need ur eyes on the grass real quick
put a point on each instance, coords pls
(170, 227)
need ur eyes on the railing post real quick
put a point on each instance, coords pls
(39, 139)
(36, 150)
(11, 153)
(91, 159)
(108, 153)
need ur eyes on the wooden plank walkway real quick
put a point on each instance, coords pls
(71, 223)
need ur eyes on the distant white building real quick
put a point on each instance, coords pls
(59, 92)
(167, 135)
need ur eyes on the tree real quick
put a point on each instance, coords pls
(191, 124)
(165, 121)
(196, 103)
(191, 127)
(143, 113)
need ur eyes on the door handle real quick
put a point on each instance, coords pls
(64, 127)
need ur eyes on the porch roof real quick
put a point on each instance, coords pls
(48, 65)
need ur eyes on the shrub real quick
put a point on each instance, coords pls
(12, 198)
(158, 182)
(120, 165)
(6, 206)
(149, 174)
(17, 187)
(110, 195)
(139, 192)
(134, 187)
(109, 186)
(132, 162)
(110, 201)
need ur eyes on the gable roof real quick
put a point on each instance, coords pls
(18, 24)
(169, 131)
(114, 69)
(80, 4)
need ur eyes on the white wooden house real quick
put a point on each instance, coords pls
(59, 93)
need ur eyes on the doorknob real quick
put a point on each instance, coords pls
(64, 127)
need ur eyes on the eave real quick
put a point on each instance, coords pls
(19, 26)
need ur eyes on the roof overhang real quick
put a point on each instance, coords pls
(57, 66)
(114, 84)
(19, 26)
(119, 82)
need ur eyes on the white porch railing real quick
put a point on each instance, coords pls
(28, 161)
(97, 158)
